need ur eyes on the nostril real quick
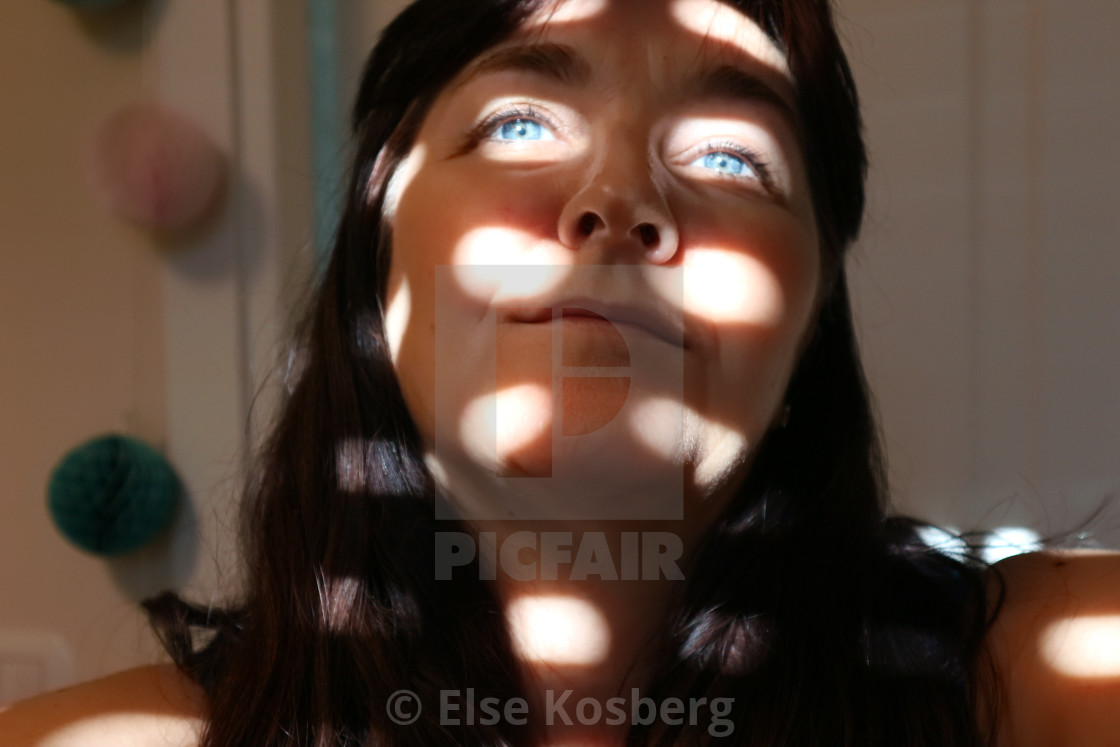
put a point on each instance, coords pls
(648, 234)
(587, 224)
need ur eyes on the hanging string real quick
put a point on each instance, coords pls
(326, 124)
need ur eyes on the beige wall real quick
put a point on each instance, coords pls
(81, 321)
(988, 276)
(103, 327)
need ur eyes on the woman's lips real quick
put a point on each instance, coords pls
(594, 317)
(592, 340)
(575, 318)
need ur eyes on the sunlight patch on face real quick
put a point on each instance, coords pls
(397, 314)
(558, 630)
(567, 11)
(657, 422)
(723, 23)
(721, 286)
(401, 179)
(715, 448)
(507, 420)
(721, 451)
(496, 265)
(1085, 647)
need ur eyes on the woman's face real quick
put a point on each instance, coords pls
(604, 254)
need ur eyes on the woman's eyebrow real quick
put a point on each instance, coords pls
(564, 64)
(728, 82)
(556, 61)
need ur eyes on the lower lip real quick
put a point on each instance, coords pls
(581, 321)
(598, 325)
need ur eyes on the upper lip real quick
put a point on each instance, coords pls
(648, 318)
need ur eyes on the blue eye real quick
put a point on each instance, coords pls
(725, 163)
(522, 130)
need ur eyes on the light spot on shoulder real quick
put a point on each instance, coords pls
(1087, 647)
(1056, 648)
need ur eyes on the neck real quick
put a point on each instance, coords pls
(587, 601)
(586, 610)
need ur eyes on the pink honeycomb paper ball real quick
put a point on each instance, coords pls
(156, 169)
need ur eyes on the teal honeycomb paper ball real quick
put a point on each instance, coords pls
(112, 495)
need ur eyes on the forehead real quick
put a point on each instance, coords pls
(659, 28)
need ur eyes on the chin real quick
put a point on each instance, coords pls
(616, 471)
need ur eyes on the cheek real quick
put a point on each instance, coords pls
(464, 217)
(453, 218)
(489, 233)
(441, 212)
(757, 270)
(750, 281)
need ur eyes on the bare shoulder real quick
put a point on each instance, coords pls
(153, 706)
(1056, 646)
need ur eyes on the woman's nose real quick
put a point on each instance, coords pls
(620, 213)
